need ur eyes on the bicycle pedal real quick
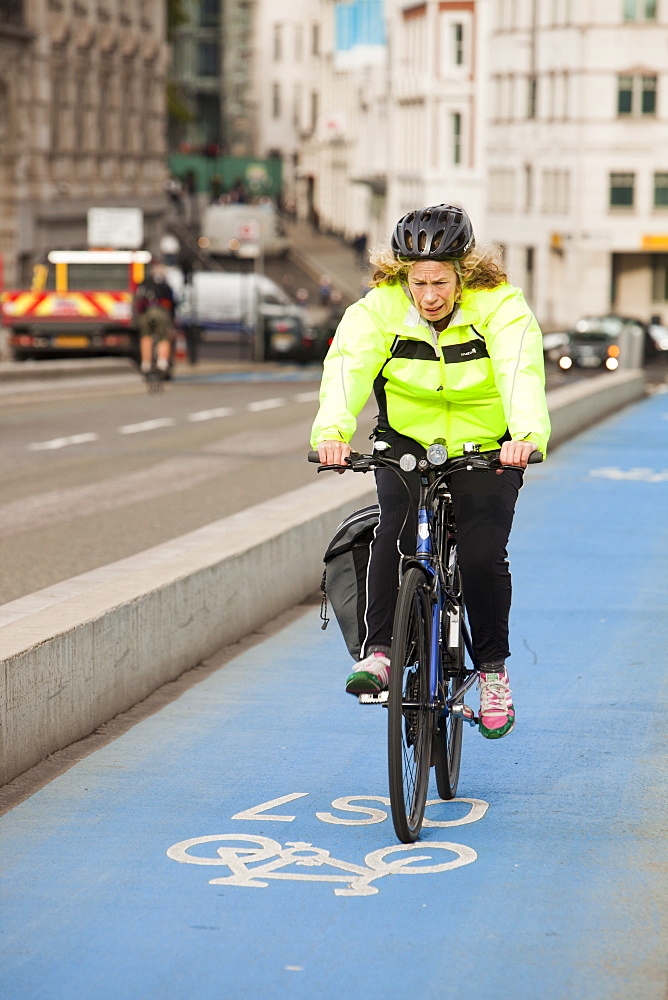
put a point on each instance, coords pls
(373, 698)
(464, 712)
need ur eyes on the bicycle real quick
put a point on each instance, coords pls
(429, 675)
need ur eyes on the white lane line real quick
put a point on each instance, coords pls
(307, 397)
(62, 442)
(147, 425)
(265, 404)
(220, 411)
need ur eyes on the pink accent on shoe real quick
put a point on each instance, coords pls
(496, 706)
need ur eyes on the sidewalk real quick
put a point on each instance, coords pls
(320, 254)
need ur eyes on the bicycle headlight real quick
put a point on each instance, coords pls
(408, 462)
(437, 453)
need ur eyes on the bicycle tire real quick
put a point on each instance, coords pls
(449, 732)
(410, 729)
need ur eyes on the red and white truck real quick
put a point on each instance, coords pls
(80, 303)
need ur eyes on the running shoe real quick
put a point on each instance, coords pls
(497, 712)
(371, 674)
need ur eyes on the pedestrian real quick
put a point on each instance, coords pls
(359, 246)
(452, 352)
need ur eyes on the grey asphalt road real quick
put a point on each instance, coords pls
(92, 474)
(95, 469)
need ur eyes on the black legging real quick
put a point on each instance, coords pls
(484, 505)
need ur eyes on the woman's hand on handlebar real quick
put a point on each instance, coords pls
(516, 453)
(333, 452)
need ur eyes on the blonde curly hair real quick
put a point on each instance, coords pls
(482, 267)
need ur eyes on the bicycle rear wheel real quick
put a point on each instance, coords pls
(410, 719)
(448, 736)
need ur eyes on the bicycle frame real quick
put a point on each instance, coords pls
(424, 556)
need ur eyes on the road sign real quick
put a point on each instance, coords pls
(121, 228)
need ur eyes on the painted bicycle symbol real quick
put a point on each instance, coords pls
(268, 858)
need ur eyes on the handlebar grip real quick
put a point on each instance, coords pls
(314, 457)
(535, 457)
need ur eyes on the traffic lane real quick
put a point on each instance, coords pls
(69, 440)
(100, 511)
(38, 426)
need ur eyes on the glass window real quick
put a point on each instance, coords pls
(624, 95)
(456, 137)
(661, 190)
(636, 95)
(648, 99)
(640, 10)
(622, 190)
(207, 59)
(458, 44)
(532, 97)
(209, 13)
(660, 277)
(276, 100)
(278, 43)
(98, 277)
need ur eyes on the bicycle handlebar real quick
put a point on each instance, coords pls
(365, 463)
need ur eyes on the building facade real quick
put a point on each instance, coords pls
(211, 76)
(82, 121)
(578, 154)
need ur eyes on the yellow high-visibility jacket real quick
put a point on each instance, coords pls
(481, 379)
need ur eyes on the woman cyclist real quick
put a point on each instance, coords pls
(452, 353)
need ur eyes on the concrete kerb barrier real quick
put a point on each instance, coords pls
(77, 654)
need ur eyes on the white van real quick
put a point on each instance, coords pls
(246, 309)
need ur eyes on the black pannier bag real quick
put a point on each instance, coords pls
(344, 579)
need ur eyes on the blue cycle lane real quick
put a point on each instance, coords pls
(236, 845)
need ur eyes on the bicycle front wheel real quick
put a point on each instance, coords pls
(410, 719)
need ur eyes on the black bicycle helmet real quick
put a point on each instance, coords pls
(435, 233)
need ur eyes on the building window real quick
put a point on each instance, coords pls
(660, 277)
(276, 100)
(456, 137)
(209, 13)
(315, 39)
(622, 190)
(299, 42)
(640, 10)
(458, 44)
(278, 42)
(207, 59)
(529, 270)
(661, 190)
(528, 187)
(532, 97)
(315, 110)
(636, 94)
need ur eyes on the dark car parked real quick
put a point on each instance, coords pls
(601, 342)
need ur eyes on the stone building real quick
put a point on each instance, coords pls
(211, 74)
(82, 121)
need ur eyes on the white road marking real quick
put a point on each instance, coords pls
(636, 474)
(307, 397)
(258, 812)
(147, 425)
(265, 404)
(201, 415)
(62, 442)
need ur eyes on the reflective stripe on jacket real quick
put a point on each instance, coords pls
(481, 379)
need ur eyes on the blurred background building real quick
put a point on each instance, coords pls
(82, 114)
(546, 119)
